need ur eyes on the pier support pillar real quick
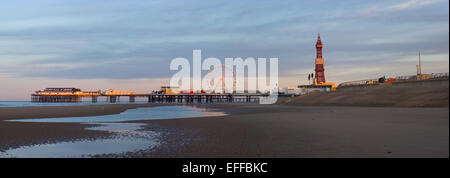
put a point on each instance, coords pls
(113, 99)
(94, 99)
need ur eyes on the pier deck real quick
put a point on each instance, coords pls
(151, 98)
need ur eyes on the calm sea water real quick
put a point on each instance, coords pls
(150, 113)
(29, 103)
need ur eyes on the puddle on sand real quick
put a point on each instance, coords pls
(127, 137)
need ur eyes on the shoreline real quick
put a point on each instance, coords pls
(31, 112)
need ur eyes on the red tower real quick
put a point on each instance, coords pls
(320, 70)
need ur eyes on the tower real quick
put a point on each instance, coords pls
(320, 70)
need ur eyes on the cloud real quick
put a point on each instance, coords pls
(135, 39)
(412, 4)
(381, 7)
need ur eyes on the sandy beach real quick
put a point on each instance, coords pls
(253, 130)
(285, 131)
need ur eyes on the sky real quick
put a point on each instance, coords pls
(129, 44)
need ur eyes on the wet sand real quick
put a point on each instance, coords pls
(254, 130)
(16, 134)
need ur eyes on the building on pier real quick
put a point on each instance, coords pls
(66, 91)
(118, 92)
(58, 91)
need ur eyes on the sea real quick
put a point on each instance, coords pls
(82, 103)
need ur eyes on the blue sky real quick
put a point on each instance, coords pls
(129, 44)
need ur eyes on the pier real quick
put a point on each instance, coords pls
(151, 98)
